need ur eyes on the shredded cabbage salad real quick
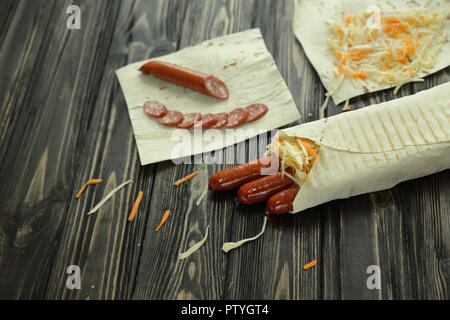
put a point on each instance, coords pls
(393, 50)
(295, 153)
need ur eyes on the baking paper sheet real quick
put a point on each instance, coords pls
(376, 147)
(242, 61)
(311, 30)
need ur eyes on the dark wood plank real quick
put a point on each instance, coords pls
(200, 276)
(105, 246)
(277, 258)
(57, 72)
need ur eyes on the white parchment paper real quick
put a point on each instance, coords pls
(311, 30)
(242, 61)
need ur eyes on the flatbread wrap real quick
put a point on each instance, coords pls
(371, 149)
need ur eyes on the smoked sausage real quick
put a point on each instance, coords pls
(261, 189)
(189, 120)
(171, 119)
(198, 81)
(256, 111)
(237, 117)
(282, 201)
(235, 177)
(155, 109)
(207, 121)
(222, 119)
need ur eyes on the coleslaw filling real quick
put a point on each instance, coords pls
(296, 153)
(392, 49)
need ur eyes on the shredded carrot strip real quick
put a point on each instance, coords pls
(390, 20)
(337, 54)
(390, 52)
(350, 18)
(308, 147)
(135, 206)
(189, 177)
(407, 40)
(409, 50)
(94, 181)
(163, 220)
(310, 265)
(362, 75)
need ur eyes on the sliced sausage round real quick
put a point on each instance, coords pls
(189, 120)
(222, 120)
(216, 88)
(256, 111)
(155, 109)
(171, 119)
(237, 117)
(207, 121)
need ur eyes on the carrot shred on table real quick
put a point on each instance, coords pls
(163, 220)
(310, 265)
(136, 206)
(189, 177)
(93, 181)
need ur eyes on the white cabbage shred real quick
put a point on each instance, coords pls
(227, 246)
(394, 50)
(293, 154)
(194, 248)
(107, 197)
(200, 199)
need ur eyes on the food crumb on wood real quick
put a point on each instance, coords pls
(310, 265)
(89, 182)
(347, 108)
(188, 177)
(163, 220)
(195, 247)
(202, 196)
(135, 206)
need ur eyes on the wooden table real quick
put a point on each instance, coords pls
(64, 120)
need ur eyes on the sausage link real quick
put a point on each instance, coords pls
(235, 177)
(188, 78)
(261, 189)
(281, 202)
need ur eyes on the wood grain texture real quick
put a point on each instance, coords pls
(64, 120)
